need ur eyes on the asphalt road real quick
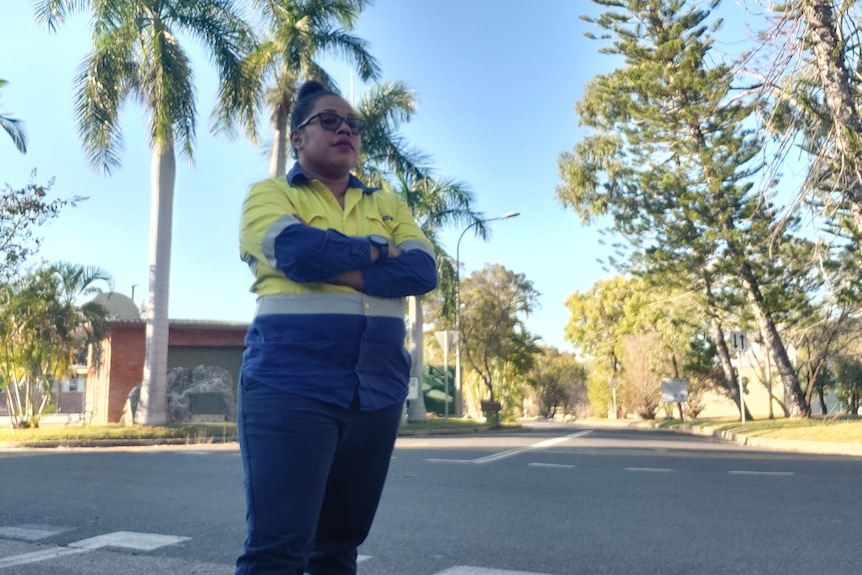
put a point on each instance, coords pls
(555, 500)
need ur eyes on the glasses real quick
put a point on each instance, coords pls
(331, 122)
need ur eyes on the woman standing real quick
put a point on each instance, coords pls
(325, 372)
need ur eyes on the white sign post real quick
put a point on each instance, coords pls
(413, 388)
(446, 338)
(739, 345)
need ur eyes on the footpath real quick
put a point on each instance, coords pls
(792, 445)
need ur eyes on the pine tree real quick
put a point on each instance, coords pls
(672, 161)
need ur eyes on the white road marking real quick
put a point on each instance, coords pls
(779, 473)
(129, 540)
(121, 539)
(361, 558)
(30, 532)
(650, 469)
(511, 452)
(37, 556)
(557, 465)
(540, 445)
(464, 570)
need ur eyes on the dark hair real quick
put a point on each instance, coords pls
(308, 93)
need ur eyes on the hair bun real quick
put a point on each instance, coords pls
(310, 88)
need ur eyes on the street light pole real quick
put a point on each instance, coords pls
(459, 396)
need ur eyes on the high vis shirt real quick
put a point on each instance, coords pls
(308, 336)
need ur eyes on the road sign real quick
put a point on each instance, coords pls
(674, 390)
(738, 341)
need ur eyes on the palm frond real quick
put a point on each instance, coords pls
(16, 131)
(51, 13)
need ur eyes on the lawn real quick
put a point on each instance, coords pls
(188, 433)
(831, 429)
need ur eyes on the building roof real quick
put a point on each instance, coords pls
(119, 306)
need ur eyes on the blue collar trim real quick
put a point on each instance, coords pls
(297, 177)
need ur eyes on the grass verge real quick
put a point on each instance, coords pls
(828, 429)
(96, 434)
(185, 433)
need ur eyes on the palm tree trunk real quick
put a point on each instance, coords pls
(416, 345)
(278, 157)
(153, 405)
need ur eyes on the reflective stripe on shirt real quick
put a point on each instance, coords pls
(331, 303)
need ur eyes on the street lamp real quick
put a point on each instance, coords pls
(459, 396)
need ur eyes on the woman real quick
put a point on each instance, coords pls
(325, 371)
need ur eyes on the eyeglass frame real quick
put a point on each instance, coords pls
(358, 130)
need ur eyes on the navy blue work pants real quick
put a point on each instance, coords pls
(314, 473)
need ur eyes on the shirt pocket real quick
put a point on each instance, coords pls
(377, 224)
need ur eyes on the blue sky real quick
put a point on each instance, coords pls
(496, 81)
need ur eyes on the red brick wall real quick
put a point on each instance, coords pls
(128, 347)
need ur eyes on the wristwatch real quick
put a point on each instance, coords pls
(382, 245)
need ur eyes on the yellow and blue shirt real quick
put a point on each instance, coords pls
(322, 340)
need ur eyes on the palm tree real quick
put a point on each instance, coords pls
(297, 32)
(43, 328)
(435, 204)
(385, 153)
(387, 161)
(136, 55)
(13, 127)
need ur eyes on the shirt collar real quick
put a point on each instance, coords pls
(297, 177)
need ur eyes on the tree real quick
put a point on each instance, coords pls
(557, 382)
(640, 389)
(136, 55)
(494, 302)
(42, 328)
(297, 31)
(21, 210)
(848, 387)
(385, 152)
(671, 161)
(13, 127)
(814, 81)
(639, 332)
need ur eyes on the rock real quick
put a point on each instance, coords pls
(201, 395)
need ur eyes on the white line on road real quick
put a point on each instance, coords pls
(121, 539)
(650, 469)
(31, 532)
(464, 570)
(37, 556)
(511, 452)
(557, 465)
(540, 445)
(743, 472)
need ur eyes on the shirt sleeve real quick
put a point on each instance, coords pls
(273, 232)
(414, 271)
